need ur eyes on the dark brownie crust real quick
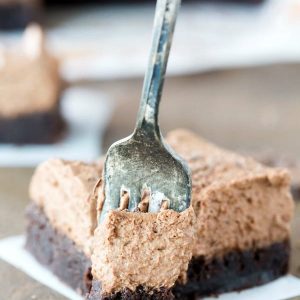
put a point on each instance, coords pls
(139, 294)
(37, 128)
(56, 251)
(237, 270)
(18, 15)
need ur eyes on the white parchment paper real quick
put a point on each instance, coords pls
(12, 251)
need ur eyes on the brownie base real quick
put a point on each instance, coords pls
(139, 294)
(56, 251)
(36, 128)
(18, 15)
(235, 271)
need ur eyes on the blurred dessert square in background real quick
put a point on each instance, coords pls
(30, 89)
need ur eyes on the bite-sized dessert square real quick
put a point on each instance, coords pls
(15, 14)
(60, 234)
(140, 255)
(238, 238)
(30, 89)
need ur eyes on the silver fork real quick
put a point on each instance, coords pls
(141, 172)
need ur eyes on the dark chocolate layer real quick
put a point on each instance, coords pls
(36, 128)
(139, 294)
(56, 251)
(237, 270)
(18, 15)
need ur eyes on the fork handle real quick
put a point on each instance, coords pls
(164, 23)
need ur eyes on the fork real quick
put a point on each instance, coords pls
(141, 173)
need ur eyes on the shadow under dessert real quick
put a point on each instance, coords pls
(239, 239)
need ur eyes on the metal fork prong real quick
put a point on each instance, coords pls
(155, 201)
(112, 202)
(134, 199)
(124, 201)
(144, 204)
(164, 205)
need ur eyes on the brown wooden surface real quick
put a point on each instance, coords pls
(248, 109)
(251, 109)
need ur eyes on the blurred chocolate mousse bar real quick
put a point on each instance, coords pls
(30, 88)
(235, 235)
(15, 14)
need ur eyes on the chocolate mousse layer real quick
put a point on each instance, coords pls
(62, 189)
(148, 250)
(239, 203)
(275, 160)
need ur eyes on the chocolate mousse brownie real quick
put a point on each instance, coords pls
(30, 88)
(62, 219)
(235, 235)
(16, 14)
